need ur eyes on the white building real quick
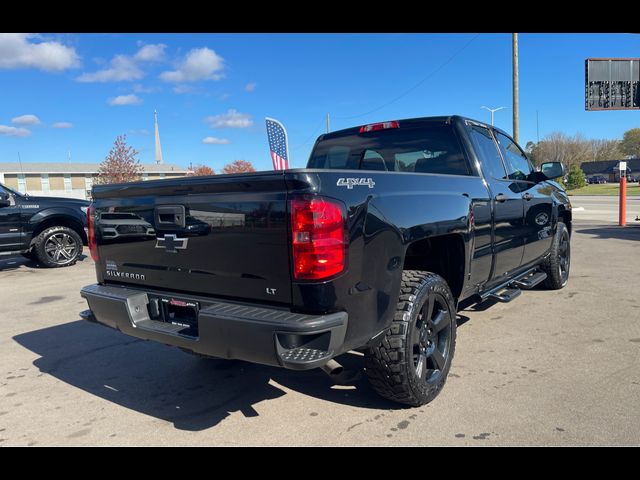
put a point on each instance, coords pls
(73, 180)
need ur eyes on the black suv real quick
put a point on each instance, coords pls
(49, 230)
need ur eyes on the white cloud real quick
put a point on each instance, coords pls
(141, 131)
(62, 125)
(125, 67)
(14, 132)
(199, 64)
(18, 51)
(25, 120)
(121, 68)
(231, 119)
(151, 53)
(130, 99)
(251, 86)
(139, 88)
(184, 89)
(215, 141)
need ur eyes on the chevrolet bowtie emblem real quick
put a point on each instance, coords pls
(171, 243)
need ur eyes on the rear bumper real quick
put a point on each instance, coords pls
(265, 335)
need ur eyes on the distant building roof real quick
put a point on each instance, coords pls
(607, 166)
(75, 167)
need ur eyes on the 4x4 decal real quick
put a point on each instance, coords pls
(351, 181)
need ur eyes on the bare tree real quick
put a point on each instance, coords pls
(572, 150)
(120, 165)
(238, 166)
(605, 149)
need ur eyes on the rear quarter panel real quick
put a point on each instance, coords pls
(386, 212)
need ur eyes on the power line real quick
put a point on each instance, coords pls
(416, 85)
(311, 137)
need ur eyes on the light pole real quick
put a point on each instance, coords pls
(492, 110)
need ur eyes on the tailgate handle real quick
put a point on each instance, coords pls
(170, 216)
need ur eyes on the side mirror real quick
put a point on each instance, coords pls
(553, 170)
(4, 199)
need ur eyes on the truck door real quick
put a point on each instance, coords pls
(537, 232)
(508, 209)
(10, 223)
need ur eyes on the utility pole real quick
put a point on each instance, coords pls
(492, 110)
(537, 128)
(327, 123)
(516, 105)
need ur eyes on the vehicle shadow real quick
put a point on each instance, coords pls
(191, 392)
(15, 262)
(630, 232)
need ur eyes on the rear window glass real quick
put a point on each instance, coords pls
(427, 149)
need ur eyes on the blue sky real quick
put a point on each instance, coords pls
(77, 92)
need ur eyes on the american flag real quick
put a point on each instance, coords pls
(278, 147)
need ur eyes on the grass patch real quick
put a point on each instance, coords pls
(606, 189)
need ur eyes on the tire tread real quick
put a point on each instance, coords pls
(386, 366)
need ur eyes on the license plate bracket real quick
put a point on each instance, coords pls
(182, 313)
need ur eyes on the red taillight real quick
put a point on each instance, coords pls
(91, 240)
(318, 238)
(374, 127)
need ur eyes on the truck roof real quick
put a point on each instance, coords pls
(413, 122)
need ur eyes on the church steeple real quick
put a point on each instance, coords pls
(158, 148)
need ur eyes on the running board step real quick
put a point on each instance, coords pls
(527, 283)
(505, 295)
(304, 355)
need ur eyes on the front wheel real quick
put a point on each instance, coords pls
(411, 362)
(57, 247)
(557, 264)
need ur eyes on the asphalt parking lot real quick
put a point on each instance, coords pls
(549, 368)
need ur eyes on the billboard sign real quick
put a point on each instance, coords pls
(612, 84)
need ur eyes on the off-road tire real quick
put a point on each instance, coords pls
(391, 365)
(40, 244)
(554, 265)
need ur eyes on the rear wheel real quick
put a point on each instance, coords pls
(411, 363)
(57, 247)
(557, 264)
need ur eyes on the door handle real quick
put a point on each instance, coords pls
(527, 196)
(501, 198)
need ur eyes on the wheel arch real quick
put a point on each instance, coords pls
(441, 254)
(565, 216)
(58, 220)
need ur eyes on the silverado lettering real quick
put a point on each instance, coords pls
(132, 276)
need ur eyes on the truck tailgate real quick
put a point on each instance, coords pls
(223, 236)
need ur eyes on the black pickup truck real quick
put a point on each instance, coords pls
(390, 230)
(50, 230)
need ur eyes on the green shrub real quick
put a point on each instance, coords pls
(575, 178)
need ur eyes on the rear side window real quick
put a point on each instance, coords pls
(425, 149)
(490, 159)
